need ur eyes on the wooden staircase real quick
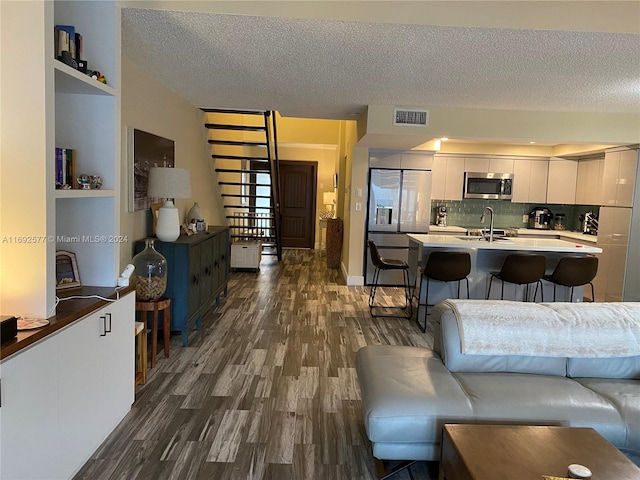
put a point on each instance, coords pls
(243, 144)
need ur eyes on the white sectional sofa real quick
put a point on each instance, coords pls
(408, 393)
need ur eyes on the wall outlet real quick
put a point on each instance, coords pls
(525, 218)
(358, 206)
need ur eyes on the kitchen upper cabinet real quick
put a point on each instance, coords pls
(447, 179)
(476, 164)
(530, 180)
(619, 177)
(561, 182)
(501, 165)
(589, 186)
(413, 160)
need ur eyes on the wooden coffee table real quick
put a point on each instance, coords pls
(509, 452)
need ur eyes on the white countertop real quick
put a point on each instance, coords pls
(579, 236)
(511, 243)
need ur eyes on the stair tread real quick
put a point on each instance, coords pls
(229, 126)
(214, 141)
(240, 157)
(239, 170)
(252, 184)
(233, 110)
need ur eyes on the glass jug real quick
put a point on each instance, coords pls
(150, 275)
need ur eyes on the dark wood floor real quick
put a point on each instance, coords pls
(266, 390)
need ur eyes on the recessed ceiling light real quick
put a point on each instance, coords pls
(444, 139)
(532, 142)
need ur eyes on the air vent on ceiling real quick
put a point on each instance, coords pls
(415, 118)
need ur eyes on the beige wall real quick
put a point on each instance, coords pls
(148, 106)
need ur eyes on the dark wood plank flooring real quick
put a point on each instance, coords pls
(267, 389)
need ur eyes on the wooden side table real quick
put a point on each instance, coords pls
(141, 353)
(155, 306)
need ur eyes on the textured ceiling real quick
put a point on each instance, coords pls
(334, 69)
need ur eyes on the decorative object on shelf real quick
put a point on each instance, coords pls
(149, 277)
(146, 150)
(195, 216)
(96, 75)
(84, 182)
(329, 200)
(95, 181)
(169, 183)
(67, 275)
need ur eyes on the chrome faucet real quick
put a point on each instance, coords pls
(484, 212)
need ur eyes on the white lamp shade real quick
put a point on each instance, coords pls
(169, 183)
(329, 198)
(168, 223)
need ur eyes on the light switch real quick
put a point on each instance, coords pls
(358, 192)
(358, 206)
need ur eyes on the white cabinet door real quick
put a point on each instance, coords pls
(589, 184)
(501, 165)
(476, 164)
(626, 178)
(521, 181)
(29, 423)
(454, 182)
(118, 363)
(610, 178)
(561, 183)
(438, 176)
(82, 396)
(538, 181)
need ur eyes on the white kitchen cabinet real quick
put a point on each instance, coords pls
(619, 177)
(613, 237)
(63, 395)
(561, 182)
(530, 180)
(447, 180)
(501, 165)
(476, 164)
(589, 184)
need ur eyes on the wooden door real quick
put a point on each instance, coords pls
(298, 203)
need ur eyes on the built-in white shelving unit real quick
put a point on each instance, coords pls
(54, 105)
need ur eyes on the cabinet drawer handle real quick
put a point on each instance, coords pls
(108, 330)
(104, 327)
(207, 270)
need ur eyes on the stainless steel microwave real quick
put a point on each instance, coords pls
(491, 186)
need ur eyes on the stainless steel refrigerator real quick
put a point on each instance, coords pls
(399, 203)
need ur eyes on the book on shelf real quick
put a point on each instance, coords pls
(66, 40)
(65, 168)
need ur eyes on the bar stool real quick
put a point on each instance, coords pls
(521, 269)
(444, 267)
(380, 264)
(573, 271)
(155, 306)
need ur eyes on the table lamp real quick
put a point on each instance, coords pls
(329, 200)
(168, 183)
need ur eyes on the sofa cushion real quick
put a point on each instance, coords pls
(620, 367)
(456, 361)
(541, 399)
(407, 394)
(624, 394)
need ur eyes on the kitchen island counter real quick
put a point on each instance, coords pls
(488, 257)
(509, 243)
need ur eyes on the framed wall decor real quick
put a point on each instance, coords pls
(67, 275)
(146, 150)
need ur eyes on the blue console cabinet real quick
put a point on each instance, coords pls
(197, 274)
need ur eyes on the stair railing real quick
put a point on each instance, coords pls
(272, 154)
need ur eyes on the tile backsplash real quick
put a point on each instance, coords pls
(467, 213)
